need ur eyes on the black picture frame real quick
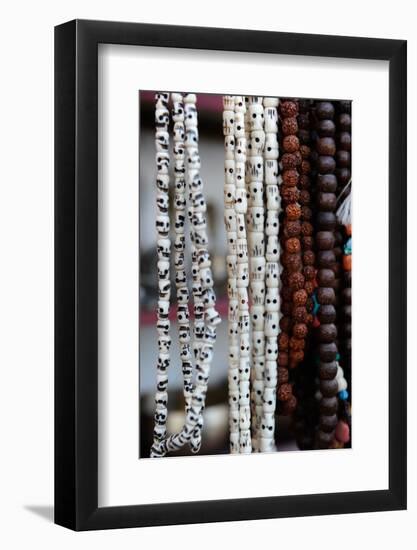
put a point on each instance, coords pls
(76, 270)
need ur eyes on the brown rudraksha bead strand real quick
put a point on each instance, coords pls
(293, 294)
(325, 147)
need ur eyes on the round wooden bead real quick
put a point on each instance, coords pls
(326, 164)
(327, 201)
(345, 106)
(324, 440)
(325, 277)
(296, 281)
(307, 229)
(325, 240)
(283, 341)
(328, 405)
(286, 308)
(327, 183)
(343, 159)
(300, 297)
(326, 128)
(294, 262)
(327, 314)
(290, 194)
(329, 388)
(300, 314)
(305, 151)
(300, 330)
(289, 406)
(344, 121)
(307, 242)
(305, 182)
(289, 126)
(324, 109)
(325, 295)
(328, 423)
(285, 323)
(327, 333)
(326, 258)
(296, 344)
(290, 144)
(293, 245)
(304, 136)
(344, 141)
(304, 197)
(283, 359)
(288, 108)
(327, 370)
(285, 392)
(290, 160)
(343, 176)
(328, 352)
(283, 375)
(297, 355)
(326, 146)
(293, 212)
(347, 311)
(303, 120)
(326, 221)
(347, 295)
(309, 257)
(292, 229)
(290, 177)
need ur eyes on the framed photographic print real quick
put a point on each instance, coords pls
(230, 275)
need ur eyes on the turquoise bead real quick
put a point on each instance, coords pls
(343, 395)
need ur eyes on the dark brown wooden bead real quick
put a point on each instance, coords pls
(347, 329)
(344, 141)
(348, 278)
(282, 375)
(307, 229)
(324, 109)
(347, 311)
(328, 405)
(309, 257)
(344, 106)
(327, 313)
(286, 308)
(347, 296)
(343, 159)
(327, 183)
(326, 128)
(325, 240)
(328, 423)
(309, 272)
(325, 258)
(283, 359)
(324, 439)
(305, 152)
(327, 333)
(327, 201)
(304, 197)
(289, 126)
(327, 370)
(305, 182)
(326, 164)
(325, 277)
(329, 388)
(325, 295)
(308, 242)
(326, 146)
(304, 121)
(289, 406)
(304, 137)
(344, 121)
(309, 286)
(286, 294)
(328, 352)
(343, 176)
(285, 323)
(326, 221)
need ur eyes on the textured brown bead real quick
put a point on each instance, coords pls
(293, 211)
(343, 159)
(328, 423)
(328, 405)
(327, 333)
(285, 323)
(325, 277)
(309, 257)
(297, 344)
(304, 197)
(306, 213)
(290, 160)
(296, 356)
(325, 295)
(307, 242)
(326, 164)
(324, 109)
(309, 287)
(326, 221)
(326, 258)
(305, 167)
(300, 297)
(327, 201)
(327, 313)
(282, 375)
(327, 183)
(284, 392)
(290, 195)
(305, 181)
(290, 177)
(289, 406)
(309, 272)
(296, 281)
(326, 128)
(300, 330)
(310, 302)
(326, 146)
(329, 388)
(294, 262)
(288, 108)
(283, 359)
(292, 229)
(328, 352)
(286, 294)
(344, 141)
(293, 245)
(344, 121)
(289, 126)
(325, 240)
(307, 229)
(327, 370)
(290, 144)
(283, 341)
(300, 314)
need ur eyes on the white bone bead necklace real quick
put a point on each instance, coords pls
(206, 316)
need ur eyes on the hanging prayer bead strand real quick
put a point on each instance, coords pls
(272, 272)
(325, 240)
(180, 203)
(231, 231)
(255, 221)
(164, 285)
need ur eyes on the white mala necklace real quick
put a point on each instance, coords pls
(187, 170)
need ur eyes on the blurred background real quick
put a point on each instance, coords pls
(215, 432)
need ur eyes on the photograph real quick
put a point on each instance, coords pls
(245, 245)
